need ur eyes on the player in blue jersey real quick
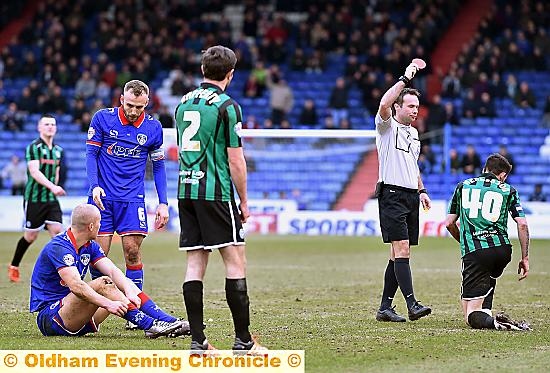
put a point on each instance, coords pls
(119, 142)
(68, 306)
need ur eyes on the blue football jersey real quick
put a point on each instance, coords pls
(124, 148)
(61, 251)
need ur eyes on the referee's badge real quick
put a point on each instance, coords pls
(141, 138)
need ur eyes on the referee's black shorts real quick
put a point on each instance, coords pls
(479, 267)
(398, 212)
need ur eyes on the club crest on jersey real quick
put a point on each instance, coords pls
(85, 259)
(68, 259)
(141, 138)
(91, 133)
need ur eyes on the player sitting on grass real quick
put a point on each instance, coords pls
(482, 203)
(68, 306)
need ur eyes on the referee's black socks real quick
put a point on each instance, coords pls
(404, 279)
(390, 286)
(192, 296)
(236, 293)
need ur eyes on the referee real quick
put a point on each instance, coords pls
(400, 191)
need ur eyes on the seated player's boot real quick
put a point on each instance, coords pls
(204, 346)
(417, 311)
(160, 328)
(505, 322)
(389, 314)
(184, 330)
(131, 326)
(13, 273)
(248, 348)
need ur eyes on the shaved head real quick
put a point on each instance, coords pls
(83, 215)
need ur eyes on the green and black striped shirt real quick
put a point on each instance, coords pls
(207, 122)
(49, 160)
(482, 204)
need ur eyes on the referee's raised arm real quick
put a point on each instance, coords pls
(393, 92)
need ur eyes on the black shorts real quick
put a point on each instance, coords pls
(39, 213)
(398, 212)
(209, 225)
(479, 267)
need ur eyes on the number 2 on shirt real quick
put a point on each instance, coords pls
(188, 145)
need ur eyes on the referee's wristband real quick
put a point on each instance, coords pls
(405, 80)
(422, 191)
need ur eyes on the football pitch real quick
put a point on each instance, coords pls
(320, 294)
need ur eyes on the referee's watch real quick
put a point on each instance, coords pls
(423, 190)
(405, 80)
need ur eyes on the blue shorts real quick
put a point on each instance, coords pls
(123, 218)
(50, 323)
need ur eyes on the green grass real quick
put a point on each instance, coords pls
(320, 294)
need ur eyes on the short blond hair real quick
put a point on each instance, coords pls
(137, 87)
(83, 215)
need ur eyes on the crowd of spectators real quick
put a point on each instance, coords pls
(512, 38)
(87, 58)
(76, 55)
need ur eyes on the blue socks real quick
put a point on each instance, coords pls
(151, 309)
(137, 317)
(135, 273)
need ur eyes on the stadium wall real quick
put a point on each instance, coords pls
(283, 217)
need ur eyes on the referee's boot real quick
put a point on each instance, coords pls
(389, 314)
(417, 311)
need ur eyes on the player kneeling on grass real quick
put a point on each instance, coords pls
(482, 204)
(68, 306)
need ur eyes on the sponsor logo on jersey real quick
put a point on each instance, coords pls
(68, 259)
(191, 176)
(113, 133)
(121, 151)
(85, 259)
(141, 138)
(91, 133)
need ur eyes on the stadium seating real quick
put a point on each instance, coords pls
(517, 128)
